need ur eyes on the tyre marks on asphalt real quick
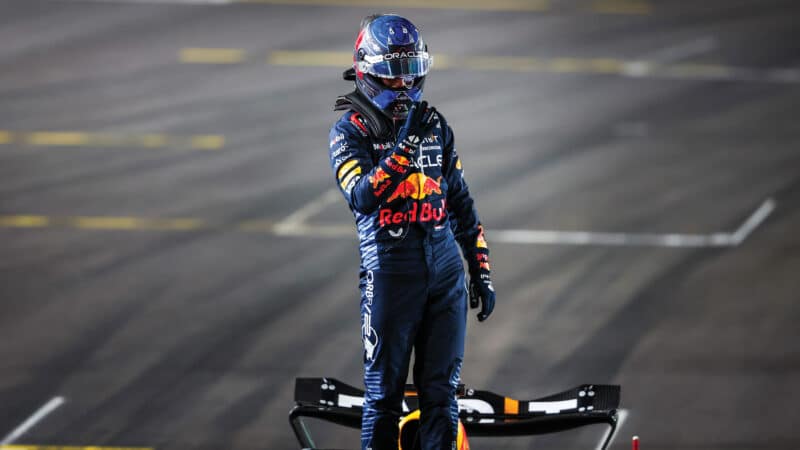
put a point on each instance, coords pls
(45, 379)
(189, 368)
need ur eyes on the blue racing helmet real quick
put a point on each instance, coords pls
(389, 47)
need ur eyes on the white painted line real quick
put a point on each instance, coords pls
(636, 69)
(622, 414)
(295, 221)
(681, 51)
(295, 225)
(752, 222)
(554, 237)
(46, 409)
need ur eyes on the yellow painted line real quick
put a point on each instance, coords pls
(554, 65)
(621, 7)
(440, 61)
(479, 63)
(607, 66)
(130, 223)
(107, 223)
(60, 447)
(104, 223)
(479, 5)
(134, 223)
(568, 65)
(104, 139)
(24, 221)
(303, 58)
(212, 55)
(153, 140)
(173, 224)
(127, 223)
(208, 142)
(144, 224)
(56, 138)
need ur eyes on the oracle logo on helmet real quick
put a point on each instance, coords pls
(408, 54)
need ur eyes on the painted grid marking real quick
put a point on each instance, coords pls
(622, 7)
(102, 139)
(560, 65)
(37, 417)
(295, 225)
(70, 447)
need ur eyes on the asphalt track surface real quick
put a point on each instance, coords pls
(144, 279)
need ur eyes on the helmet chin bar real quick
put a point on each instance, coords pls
(393, 103)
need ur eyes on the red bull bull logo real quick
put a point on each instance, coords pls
(416, 186)
(395, 166)
(380, 181)
(378, 177)
(427, 212)
(402, 160)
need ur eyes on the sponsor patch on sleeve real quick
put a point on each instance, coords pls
(344, 168)
(344, 182)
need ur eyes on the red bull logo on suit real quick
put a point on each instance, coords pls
(416, 186)
(427, 212)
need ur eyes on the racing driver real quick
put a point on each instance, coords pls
(394, 159)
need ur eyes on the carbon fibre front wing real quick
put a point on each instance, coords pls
(483, 413)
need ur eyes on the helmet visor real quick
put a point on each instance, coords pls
(397, 64)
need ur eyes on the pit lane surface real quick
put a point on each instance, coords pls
(144, 278)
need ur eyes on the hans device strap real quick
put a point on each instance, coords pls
(377, 123)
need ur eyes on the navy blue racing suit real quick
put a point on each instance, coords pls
(410, 215)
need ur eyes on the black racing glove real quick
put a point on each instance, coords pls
(418, 125)
(481, 291)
